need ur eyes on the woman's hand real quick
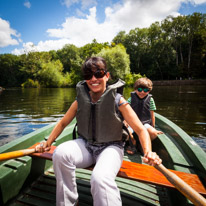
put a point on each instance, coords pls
(42, 147)
(152, 158)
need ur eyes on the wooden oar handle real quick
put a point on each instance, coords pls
(15, 154)
(182, 186)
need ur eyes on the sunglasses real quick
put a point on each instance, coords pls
(99, 73)
(142, 89)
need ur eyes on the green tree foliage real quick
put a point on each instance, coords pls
(137, 46)
(53, 54)
(131, 78)
(185, 34)
(31, 63)
(75, 75)
(161, 54)
(120, 38)
(173, 48)
(68, 56)
(91, 49)
(117, 61)
(9, 70)
(50, 74)
(196, 29)
(30, 83)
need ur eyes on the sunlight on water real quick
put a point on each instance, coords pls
(25, 110)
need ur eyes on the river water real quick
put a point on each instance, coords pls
(25, 110)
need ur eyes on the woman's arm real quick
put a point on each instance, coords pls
(68, 117)
(134, 122)
(153, 118)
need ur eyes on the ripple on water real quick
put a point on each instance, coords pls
(201, 142)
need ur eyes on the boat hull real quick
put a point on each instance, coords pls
(30, 180)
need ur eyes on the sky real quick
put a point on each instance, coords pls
(44, 25)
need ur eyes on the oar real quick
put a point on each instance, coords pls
(15, 154)
(182, 186)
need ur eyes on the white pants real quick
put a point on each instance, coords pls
(73, 154)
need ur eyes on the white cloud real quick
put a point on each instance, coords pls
(88, 3)
(6, 34)
(138, 13)
(68, 3)
(51, 44)
(81, 31)
(29, 46)
(122, 16)
(41, 46)
(80, 13)
(198, 1)
(126, 16)
(27, 4)
(84, 3)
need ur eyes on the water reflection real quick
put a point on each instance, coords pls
(25, 110)
(184, 105)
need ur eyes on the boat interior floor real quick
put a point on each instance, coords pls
(42, 191)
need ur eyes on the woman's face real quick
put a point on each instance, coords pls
(98, 85)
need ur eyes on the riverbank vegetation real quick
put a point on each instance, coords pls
(172, 49)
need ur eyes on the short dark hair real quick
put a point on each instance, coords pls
(93, 63)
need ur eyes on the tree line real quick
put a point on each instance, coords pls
(172, 49)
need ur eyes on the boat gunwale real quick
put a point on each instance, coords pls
(187, 144)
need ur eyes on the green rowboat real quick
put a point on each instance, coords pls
(30, 180)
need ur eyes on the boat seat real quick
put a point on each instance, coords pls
(143, 173)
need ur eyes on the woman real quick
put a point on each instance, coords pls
(99, 110)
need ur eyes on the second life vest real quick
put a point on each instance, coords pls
(141, 107)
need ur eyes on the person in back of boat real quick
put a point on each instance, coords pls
(99, 111)
(144, 106)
